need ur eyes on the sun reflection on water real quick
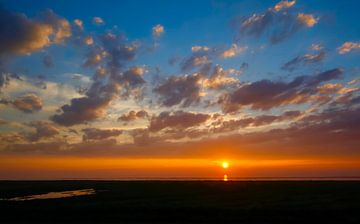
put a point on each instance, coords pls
(225, 177)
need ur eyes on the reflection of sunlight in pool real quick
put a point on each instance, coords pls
(53, 195)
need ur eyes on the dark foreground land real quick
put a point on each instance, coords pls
(185, 202)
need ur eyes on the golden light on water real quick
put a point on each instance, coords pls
(225, 177)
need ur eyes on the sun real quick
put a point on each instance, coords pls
(225, 165)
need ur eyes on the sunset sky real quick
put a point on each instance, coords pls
(164, 89)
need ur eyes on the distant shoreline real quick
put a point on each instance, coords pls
(199, 179)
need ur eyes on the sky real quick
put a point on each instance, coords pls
(172, 89)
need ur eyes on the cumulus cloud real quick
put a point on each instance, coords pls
(99, 134)
(304, 60)
(82, 110)
(277, 25)
(184, 90)
(28, 103)
(133, 115)
(266, 94)
(103, 91)
(98, 20)
(43, 129)
(22, 35)
(176, 120)
(219, 78)
(348, 47)
(158, 30)
(95, 56)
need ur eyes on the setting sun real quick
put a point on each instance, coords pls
(225, 165)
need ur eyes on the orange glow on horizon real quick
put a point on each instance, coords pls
(48, 167)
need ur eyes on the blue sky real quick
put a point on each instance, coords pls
(191, 23)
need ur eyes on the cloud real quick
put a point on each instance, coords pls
(99, 134)
(199, 48)
(103, 91)
(219, 79)
(158, 30)
(95, 56)
(266, 94)
(316, 47)
(176, 120)
(28, 103)
(232, 125)
(21, 35)
(43, 129)
(184, 90)
(6, 77)
(88, 108)
(348, 47)
(283, 5)
(307, 20)
(329, 88)
(79, 24)
(88, 40)
(98, 20)
(194, 61)
(304, 60)
(277, 25)
(244, 66)
(233, 51)
(133, 115)
(3, 122)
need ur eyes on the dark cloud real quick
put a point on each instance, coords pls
(113, 54)
(22, 35)
(176, 120)
(304, 60)
(184, 90)
(266, 94)
(99, 134)
(133, 115)
(329, 132)
(84, 109)
(43, 130)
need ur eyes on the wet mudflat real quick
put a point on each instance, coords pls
(180, 201)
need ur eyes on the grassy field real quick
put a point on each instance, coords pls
(185, 201)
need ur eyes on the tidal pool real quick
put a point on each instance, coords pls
(54, 195)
